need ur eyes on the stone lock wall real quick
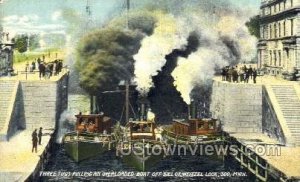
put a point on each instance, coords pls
(44, 101)
(237, 106)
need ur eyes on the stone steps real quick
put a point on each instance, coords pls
(292, 112)
(291, 109)
(278, 94)
(292, 106)
(289, 104)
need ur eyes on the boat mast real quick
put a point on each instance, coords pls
(127, 82)
(127, 13)
(126, 101)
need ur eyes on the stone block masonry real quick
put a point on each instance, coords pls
(237, 106)
(272, 108)
(44, 101)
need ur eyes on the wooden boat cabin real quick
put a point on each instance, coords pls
(94, 123)
(195, 127)
(142, 130)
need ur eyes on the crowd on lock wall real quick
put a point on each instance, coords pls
(46, 70)
(237, 74)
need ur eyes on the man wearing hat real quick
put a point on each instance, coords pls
(34, 140)
(40, 135)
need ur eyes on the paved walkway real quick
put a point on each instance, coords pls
(261, 80)
(17, 161)
(34, 76)
(287, 160)
(19, 69)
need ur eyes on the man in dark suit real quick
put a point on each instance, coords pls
(40, 135)
(254, 75)
(34, 140)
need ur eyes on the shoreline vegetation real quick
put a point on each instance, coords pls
(33, 55)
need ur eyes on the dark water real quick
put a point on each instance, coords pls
(60, 162)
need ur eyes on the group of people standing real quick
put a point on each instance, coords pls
(46, 70)
(36, 138)
(236, 75)
(50, 69)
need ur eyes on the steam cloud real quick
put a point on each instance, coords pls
(66, 124)
(224, 40)
(195, 70)
(168, 35)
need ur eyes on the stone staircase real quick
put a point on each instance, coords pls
(289, 103)
(7, 95)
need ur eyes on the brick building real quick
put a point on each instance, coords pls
(279, 44)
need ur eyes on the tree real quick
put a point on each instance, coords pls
(253, 26)
(34, 42)
(21, 43)
(105, 56)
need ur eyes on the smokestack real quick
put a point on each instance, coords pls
(192, 110)
(144, 105)
(142, 111)
(189, 112)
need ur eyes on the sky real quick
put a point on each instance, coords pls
(45, 16)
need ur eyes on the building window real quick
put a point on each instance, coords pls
(287, 53)
(270, 58)
(292, 3)
(275, 58)
(284, 4)
(284, 28)
(279, 58)
(279, 30)
(275, 30)
(292, 27)
(270, 35)
(279, 7)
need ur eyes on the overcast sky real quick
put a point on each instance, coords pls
(44, 16)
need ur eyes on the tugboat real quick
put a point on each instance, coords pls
(92, 136)
(192, 131)
(142, 147)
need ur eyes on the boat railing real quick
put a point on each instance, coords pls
(86, 136)
(176, 136)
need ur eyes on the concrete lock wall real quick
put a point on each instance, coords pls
(44, 101)
(237, 106)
